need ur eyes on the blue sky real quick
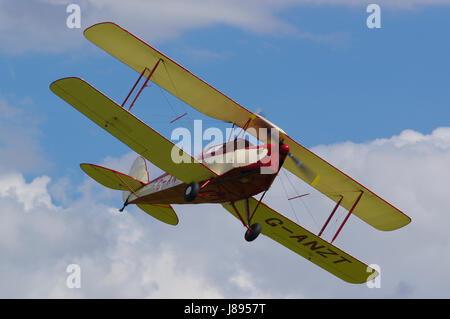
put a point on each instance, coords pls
(359, 85)
(316, 71)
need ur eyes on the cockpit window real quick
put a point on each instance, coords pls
(213, 149)
(236, 144)
(228, 146)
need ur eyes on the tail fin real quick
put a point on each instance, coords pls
(139, 172)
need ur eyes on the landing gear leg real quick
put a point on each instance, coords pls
(252, 231)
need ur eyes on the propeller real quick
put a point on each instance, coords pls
(260, 112)
(307, 172)
(312, 177)
(261, 122)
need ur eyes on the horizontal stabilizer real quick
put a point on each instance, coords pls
(111, 178)
(164, 213)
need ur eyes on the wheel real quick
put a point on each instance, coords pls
(253, 234)
(191, 191)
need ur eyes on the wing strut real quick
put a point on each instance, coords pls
(331, 215)
(348, 215)
(134, 86)
(143, 86)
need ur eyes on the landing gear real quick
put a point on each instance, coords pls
(191, 191)
(252, 232)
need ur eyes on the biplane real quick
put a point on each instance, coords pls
(234, 184)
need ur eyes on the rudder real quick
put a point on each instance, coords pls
(138, 171)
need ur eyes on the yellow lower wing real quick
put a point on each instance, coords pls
(306, 244)
(129, 129)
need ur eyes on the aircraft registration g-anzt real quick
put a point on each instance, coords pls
(229, 183)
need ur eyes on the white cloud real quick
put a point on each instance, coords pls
(117, 254)
(40, 25)
(30, 195)
(133, 255)
(411, 171)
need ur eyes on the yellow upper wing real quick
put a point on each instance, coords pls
(129, 129)
(169, 75)
(306, 244)
(186, 86)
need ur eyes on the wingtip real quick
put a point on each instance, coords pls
(65, 79)
(94, 26)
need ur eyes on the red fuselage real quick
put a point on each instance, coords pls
(233, 185)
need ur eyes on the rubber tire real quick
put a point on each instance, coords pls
(191, 191)
(254, 233)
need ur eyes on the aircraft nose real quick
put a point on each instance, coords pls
(284, 149)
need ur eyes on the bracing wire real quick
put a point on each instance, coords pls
(290, 204)
(173, 84)
(301, 199)
(167, 100)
